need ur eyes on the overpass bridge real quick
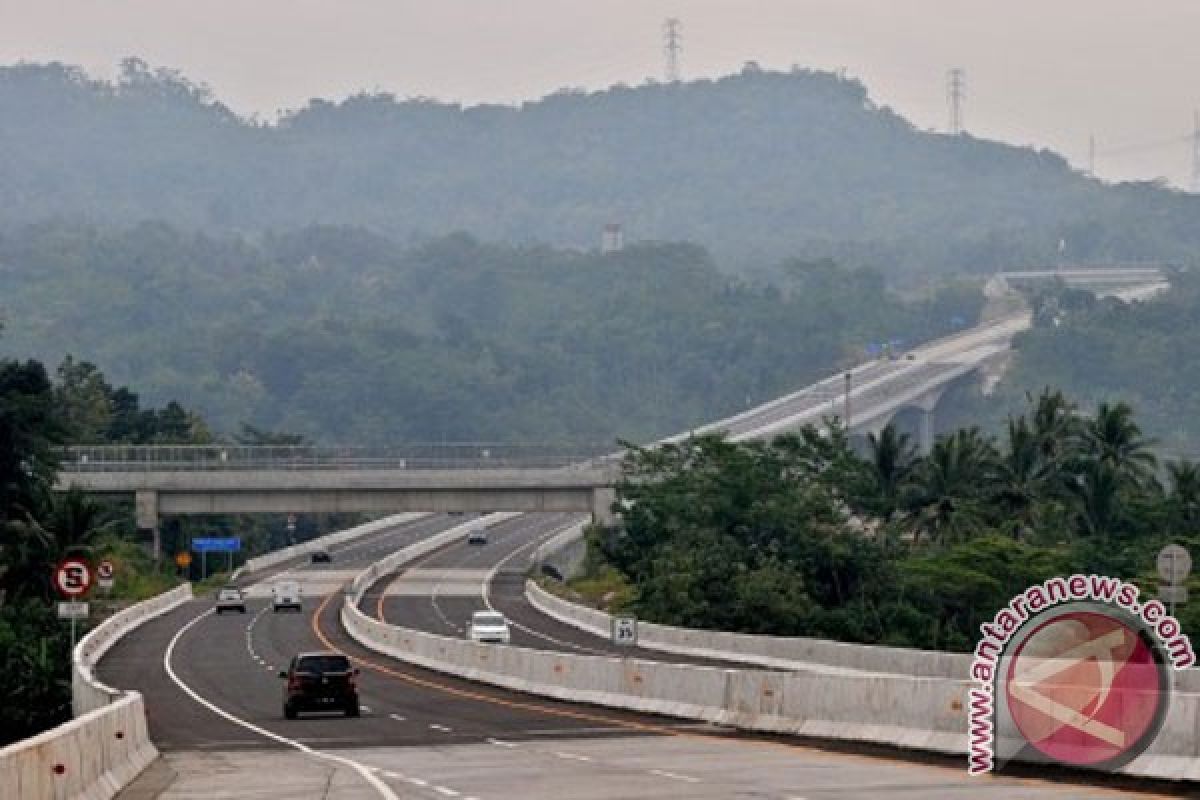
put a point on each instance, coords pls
(437, 478)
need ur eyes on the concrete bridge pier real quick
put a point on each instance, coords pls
(602, 503)
(145, 503)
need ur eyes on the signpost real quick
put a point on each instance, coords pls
(1174, 564)
(226, 544)
(624, 631)
(72, 579)
(104, 575)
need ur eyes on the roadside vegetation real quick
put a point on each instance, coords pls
(40, 412)
(804, 536)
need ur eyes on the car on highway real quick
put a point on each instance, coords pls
(286, 594)
(321, 557)
(488, 626)
(477, 536)
(230, 598)
(320, 681)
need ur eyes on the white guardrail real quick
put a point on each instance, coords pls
(107, 744)
(901, 710)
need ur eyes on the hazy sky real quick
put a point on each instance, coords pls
(1045, 72)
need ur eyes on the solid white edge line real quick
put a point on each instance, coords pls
(364, 771)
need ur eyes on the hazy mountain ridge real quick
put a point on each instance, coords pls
(756, 166)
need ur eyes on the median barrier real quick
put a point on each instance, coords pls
(924, 713)
(107, 745)
(277, 557)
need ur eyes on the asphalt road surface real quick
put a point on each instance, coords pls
(213, 700)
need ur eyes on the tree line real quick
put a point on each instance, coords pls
(809, 535)
(447, 340)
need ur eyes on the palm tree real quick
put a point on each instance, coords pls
(1185, 491)
(1024, 475)
(1055, 426)
(889, 465)
(1097, 488)
(948, 483)
(1113, 438)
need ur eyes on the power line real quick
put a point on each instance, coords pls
(956, 94)
(672, 44)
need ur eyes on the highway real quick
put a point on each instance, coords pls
(213, 701)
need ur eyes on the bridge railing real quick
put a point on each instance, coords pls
(147, 458)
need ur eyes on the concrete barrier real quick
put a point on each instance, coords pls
(277, 557)
(87, 692)
(107, 745)
(565, 551)
(926, 713)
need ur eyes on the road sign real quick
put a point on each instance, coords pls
(183, 559)
(72, 610)
(1175, 595)
(624, 631)
(104, 574)
(73, 577)
(230, 544)
(1174, 563)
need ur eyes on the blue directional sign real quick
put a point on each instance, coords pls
(230, 544)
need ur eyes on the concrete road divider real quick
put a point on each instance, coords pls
(277, 557)
(107, 745)
(918, 712)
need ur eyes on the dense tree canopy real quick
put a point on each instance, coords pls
(804, 536)
(450, 340)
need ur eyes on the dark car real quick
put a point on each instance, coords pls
(321, 557)
(320, 682)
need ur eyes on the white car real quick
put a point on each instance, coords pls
(231, 599)
(488, 626)
(286, 594)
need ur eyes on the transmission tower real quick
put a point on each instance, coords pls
(672, 44)
(1196, 153)
(956, 93)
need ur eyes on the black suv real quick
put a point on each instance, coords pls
(320, 682)
(321, 557)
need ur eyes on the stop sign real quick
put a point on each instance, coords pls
(73, 577)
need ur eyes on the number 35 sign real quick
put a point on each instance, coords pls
(73, 577)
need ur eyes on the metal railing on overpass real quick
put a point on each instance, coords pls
(159, 458)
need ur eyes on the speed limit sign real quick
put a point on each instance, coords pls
(73, 577)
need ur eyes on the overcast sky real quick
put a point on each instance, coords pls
(1045, 72)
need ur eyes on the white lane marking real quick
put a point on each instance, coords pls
(445, 791)
(396, 717)
(502, 743)
(486, 591)
(417, 782)
(250, 636)
(675, 776)
(437, 727)
(573, 757)
(396, 776)
(361, 769)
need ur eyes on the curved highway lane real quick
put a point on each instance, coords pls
(214, 704)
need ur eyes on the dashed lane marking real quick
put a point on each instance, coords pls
(382, 788)
(675, 776)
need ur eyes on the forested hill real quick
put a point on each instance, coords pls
(756, 166)
(347, 337)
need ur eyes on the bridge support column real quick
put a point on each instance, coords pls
(925, 433)
(145, 503)
(602, 502)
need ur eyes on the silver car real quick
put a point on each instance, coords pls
(231, 599)
(488, 626)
